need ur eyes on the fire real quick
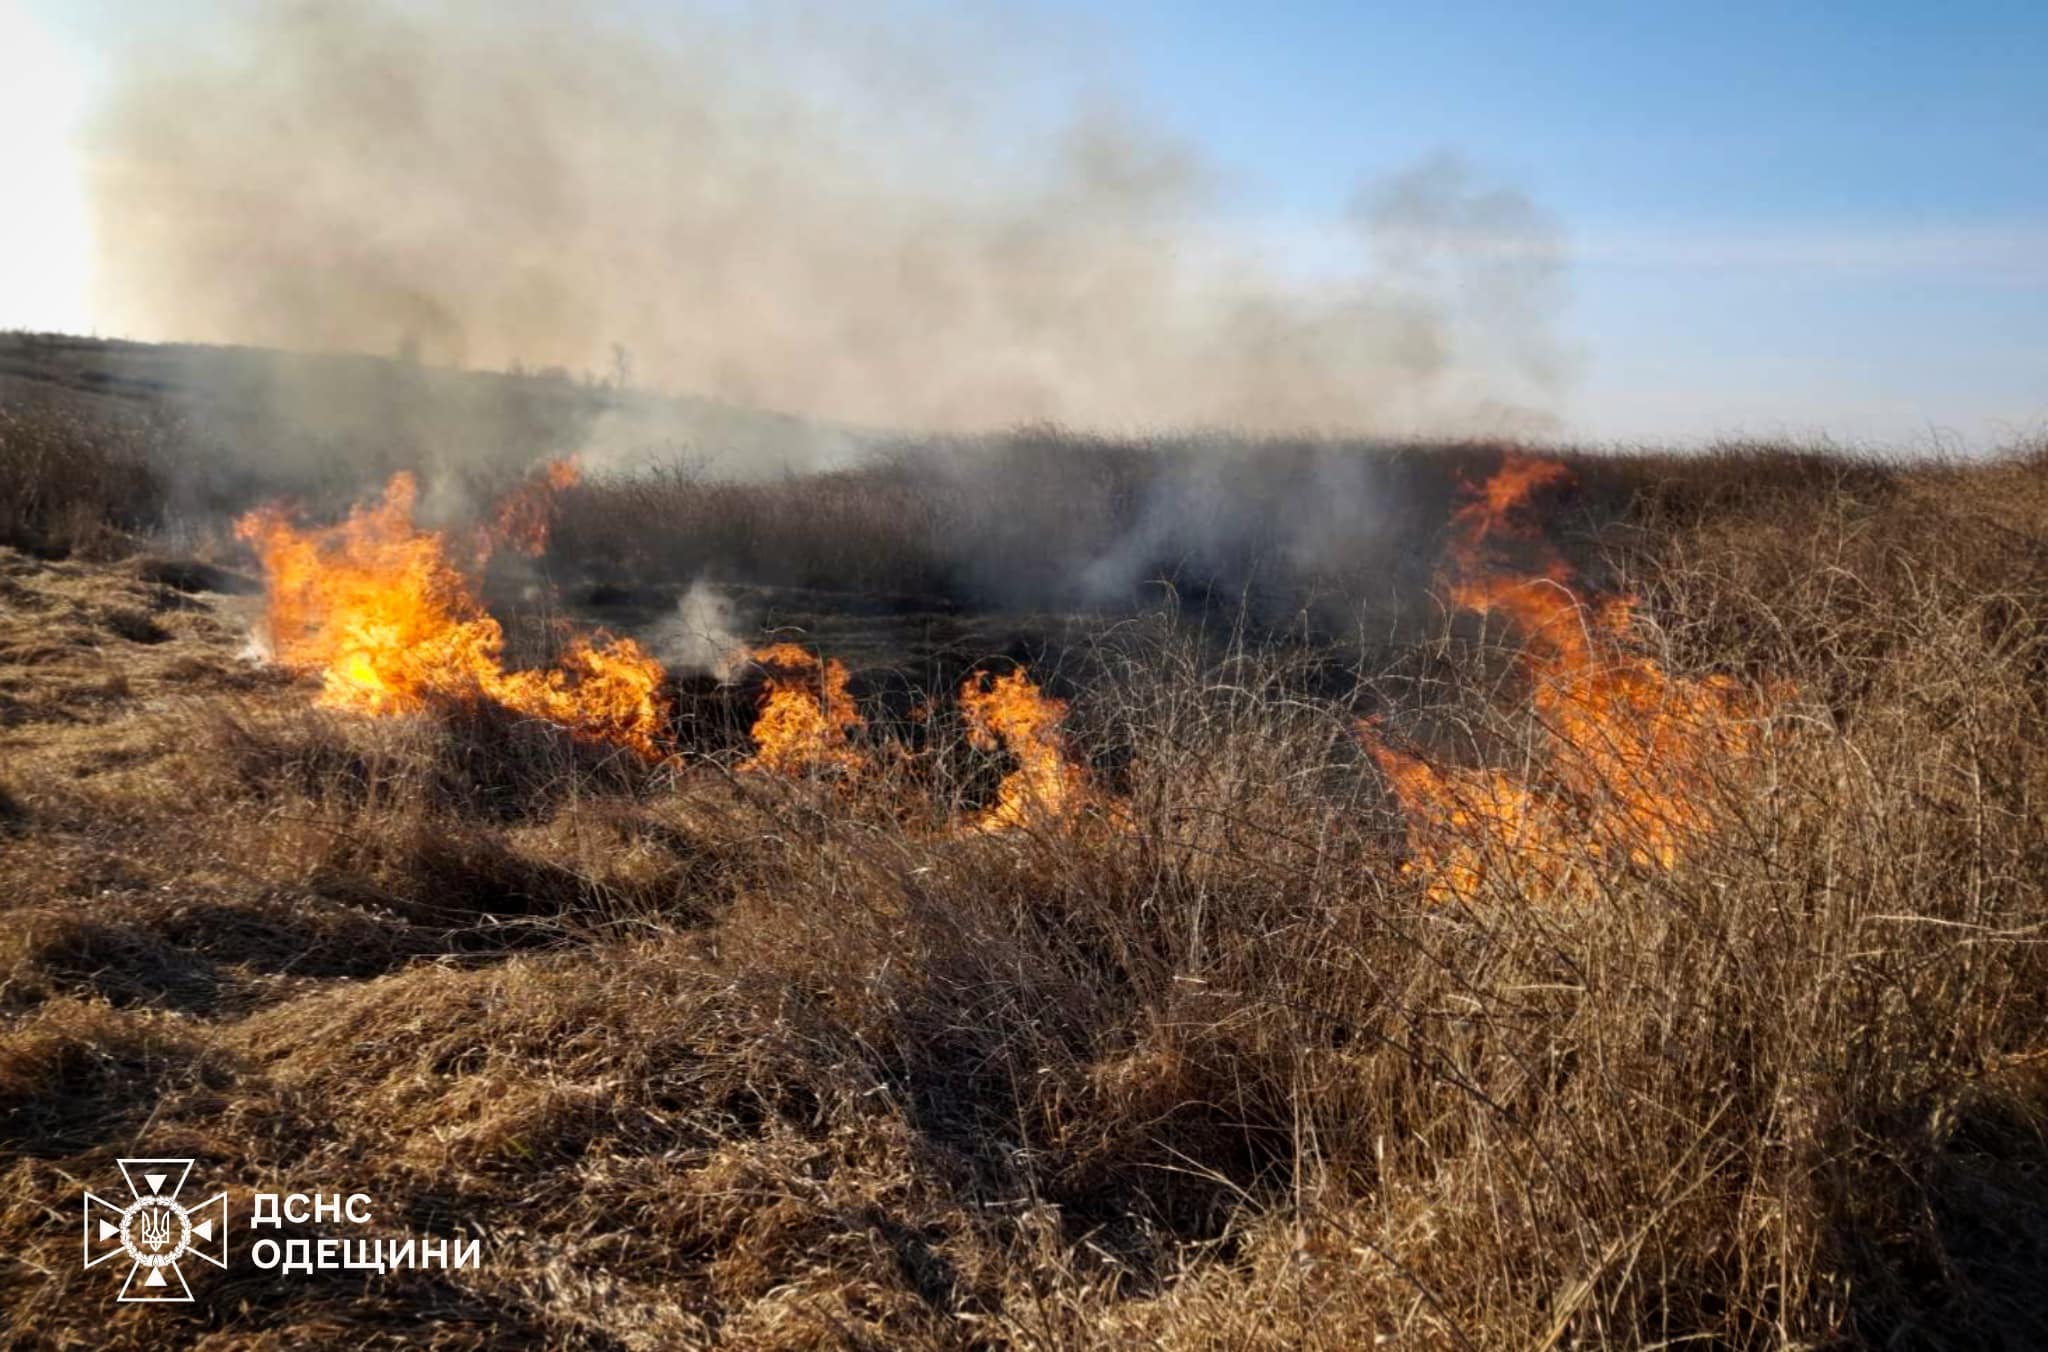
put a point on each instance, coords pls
(1009, 713)
(375, 608)
(1629, 743)
(525, 516)
(808, 720)
(1461, 819)
(1486, 515)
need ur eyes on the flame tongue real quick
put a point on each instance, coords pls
(371, 605)
(525, 516)
(1485, 515)
(1460, 820)
(1629, 743)
(375, 608)
(807, 719)
(1008, 712)
(609, 691)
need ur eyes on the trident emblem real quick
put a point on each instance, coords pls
(155, 1231)
(156, 1228)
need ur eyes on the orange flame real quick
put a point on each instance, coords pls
(1486, 514)
(1629, 743)
(1460, 820)
(1009, 713)
(526, 515)
(807, 719)
(374, 607)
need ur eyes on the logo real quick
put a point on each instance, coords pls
(155, 1231)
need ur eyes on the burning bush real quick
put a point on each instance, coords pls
(380, 612)
(1631, 749)
(808, 720)
(1010, 713)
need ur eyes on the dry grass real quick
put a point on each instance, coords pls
(708, 1058)
(77, 482)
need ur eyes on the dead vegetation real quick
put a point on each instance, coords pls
(715, 1057)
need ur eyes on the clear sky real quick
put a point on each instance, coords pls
(1781, 217)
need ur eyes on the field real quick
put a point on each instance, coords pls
(1245, 895)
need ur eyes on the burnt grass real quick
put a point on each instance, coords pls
(710, 1058)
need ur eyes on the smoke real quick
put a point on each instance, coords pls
(877, 222)
(702, 635)
(1032, 520)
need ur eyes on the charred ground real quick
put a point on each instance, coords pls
(716, 1057)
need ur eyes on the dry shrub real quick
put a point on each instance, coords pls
(79, 482)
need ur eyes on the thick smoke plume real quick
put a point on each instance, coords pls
(879, 223)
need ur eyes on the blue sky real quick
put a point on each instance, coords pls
(1781, 218)
(1790, 217)
(1671, 114)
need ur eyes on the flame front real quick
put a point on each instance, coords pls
(524, 517)
(376, 609)
(1630, 745)
(808, 720)
(1009, 713)
(1461, 820)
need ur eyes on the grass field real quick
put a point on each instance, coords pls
(1245, 1042)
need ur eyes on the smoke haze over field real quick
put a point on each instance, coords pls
(785, 210)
